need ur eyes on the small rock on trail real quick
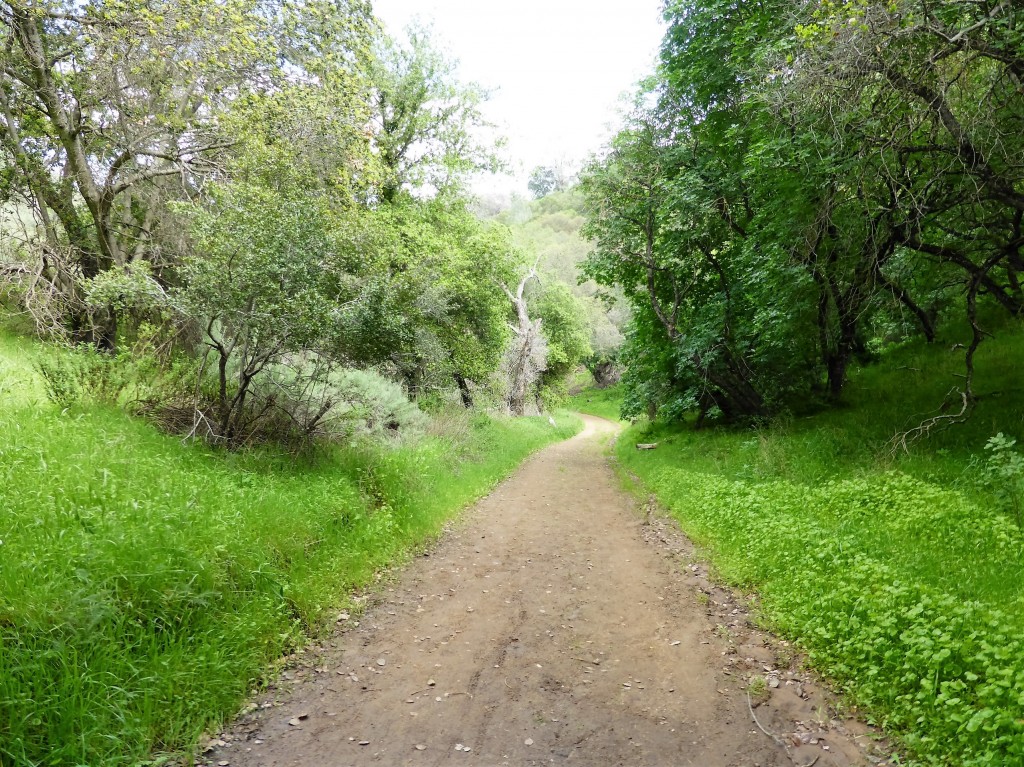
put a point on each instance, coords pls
(550, 625)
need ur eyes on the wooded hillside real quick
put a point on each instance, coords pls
(802, 185)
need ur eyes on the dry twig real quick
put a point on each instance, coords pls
(776, 738)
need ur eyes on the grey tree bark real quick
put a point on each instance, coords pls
(528, 352)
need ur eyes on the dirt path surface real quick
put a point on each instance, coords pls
(552, 625)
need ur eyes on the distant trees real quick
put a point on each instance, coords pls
(543, 182)
(547, 179)
(802, 182)
(567, 331)
(550, 228)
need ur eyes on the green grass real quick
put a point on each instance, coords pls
(146, 585)
(901, 575)
(604, 403)
(20, 385)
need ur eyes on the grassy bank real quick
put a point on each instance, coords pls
(145, 585)
(604, 403)
(902, 575)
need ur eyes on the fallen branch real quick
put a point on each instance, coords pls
(776, 738)
(901, 442)
(968, 399)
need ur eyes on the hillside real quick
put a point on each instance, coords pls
(148, 585)
(898, 572)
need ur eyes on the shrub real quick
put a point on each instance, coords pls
(82, 375)
(1004, 472)
(378, 407)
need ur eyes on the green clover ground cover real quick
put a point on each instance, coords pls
(853, 570)
(146, 585)
(902, 577)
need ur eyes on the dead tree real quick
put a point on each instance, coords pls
(528, 355)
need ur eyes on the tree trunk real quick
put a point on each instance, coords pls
(521, 369)
(464, 392)
(605, 373)
(413, 376)
(523, 366)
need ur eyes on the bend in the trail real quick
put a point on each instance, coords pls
(551, 625)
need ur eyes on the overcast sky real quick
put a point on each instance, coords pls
(557, 68)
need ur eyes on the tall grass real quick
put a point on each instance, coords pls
(901, 574)
(145, 585)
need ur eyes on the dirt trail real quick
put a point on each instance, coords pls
(553, 624)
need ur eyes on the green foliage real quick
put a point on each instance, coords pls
(427, 122)
(379, 406)
(270, 278)
(563, 323)
(708, 330)
(268, 270)
(604, 403)
(156, 106)
(20, 383)
(283, 179)
(131, 287)
(148, 584)
(549, 228)
(545, 180)
(83, 375)
(447, 268)
(881, 581)
(1004, 470)
(800, 184)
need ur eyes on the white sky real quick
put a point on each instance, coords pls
(557, 68)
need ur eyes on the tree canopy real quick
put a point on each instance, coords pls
(801, 183)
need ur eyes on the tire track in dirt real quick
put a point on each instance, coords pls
(551, 625)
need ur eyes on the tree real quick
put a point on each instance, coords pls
(543, 181)
(527, 355)
(933, 93)
(118, 107)
(660, 236)
(90, 112)
(566, 332)
(800, 176)
(270, 279)
(447, 268)
(426, 123)
(549, 228)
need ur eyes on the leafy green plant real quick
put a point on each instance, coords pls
(897, 589)
(757, 689)
(83, 375)
(899, 577)
(1004, 470)
(377, 406)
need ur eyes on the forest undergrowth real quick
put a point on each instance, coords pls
(147, 586)
(899, 573)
